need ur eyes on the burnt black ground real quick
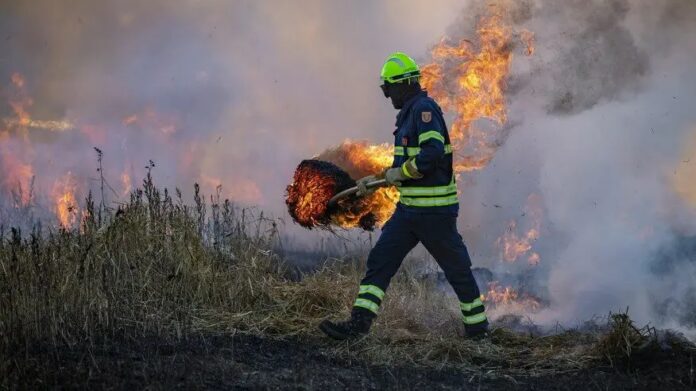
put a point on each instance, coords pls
(251, 362)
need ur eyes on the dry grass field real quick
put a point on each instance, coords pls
(161, 294)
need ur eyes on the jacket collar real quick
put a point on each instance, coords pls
(403, 113)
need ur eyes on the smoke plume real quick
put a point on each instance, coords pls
(599, 116)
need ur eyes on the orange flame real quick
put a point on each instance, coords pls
(18, 177)
(20, 102)
(151, 119)
(508, 300)
(126, 183)
(470, 82)
(18, 173)
(381, 203)
(527, 37)
(513, 245)
(50, 125)
(359, 159)
(66, 207)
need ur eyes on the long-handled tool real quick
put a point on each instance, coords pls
(350, 191)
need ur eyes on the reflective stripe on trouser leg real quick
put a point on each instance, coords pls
(369, 297)
(473, 312)
(439, 235)
(396, 240)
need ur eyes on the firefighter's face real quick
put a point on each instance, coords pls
(385, 89)
(398, 92)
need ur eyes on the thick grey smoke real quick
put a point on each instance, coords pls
(600, 115)
(596, 58)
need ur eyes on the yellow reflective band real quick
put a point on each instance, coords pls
(367, 304)
(410, 169)
(469, 306)
(373, 290)
(431, 134)
(413, 165)
(427, 191)
(429, 201)
(414, 151)
(404, 170)
(475, 319)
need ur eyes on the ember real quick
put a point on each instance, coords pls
(315, 183)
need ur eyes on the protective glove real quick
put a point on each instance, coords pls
(408, 170)
(394, 176)
(362, 185)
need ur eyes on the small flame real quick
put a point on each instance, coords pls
(513, 245)
(51, 125)
(126, 183)
(66, 207)
(20, 100)
(527, 37)
(505, 299)
(130, 120)
(18, 177)
(166, 124)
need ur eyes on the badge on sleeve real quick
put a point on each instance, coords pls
(426, 116)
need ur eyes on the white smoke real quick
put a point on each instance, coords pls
(599, 116)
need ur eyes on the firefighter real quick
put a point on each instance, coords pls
(427, 210)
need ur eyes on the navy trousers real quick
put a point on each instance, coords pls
(438, 233)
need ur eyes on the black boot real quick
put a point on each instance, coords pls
(358, 324)
(477, 332)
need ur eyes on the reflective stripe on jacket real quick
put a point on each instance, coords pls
(421, 135)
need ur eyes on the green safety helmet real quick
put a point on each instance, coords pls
(399, 67)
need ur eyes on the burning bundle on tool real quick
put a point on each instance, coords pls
(322, 194)
(334, 171)
(314, 184)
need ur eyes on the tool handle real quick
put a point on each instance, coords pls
(350, 191)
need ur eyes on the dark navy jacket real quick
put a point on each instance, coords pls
(422, 114)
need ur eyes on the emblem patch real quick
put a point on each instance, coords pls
(404, 141)
(426, 116)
